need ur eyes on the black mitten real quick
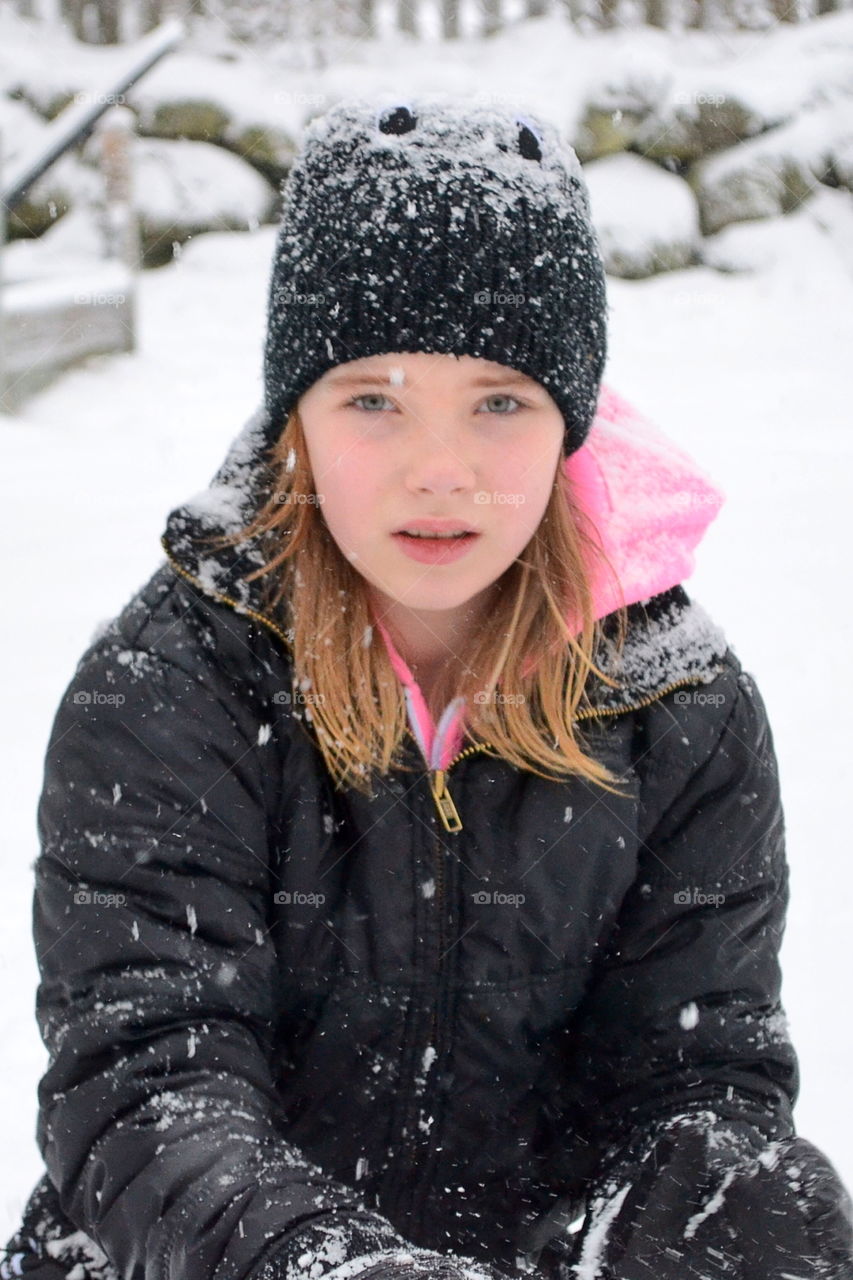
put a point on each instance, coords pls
(702, 1199)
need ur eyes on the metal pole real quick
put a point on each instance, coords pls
(75, 123)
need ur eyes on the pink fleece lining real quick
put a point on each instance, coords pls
(649, 504)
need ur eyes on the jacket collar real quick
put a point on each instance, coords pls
(647, 499)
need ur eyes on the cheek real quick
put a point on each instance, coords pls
(520, 496)
(345, 487)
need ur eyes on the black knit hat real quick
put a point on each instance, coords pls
(437, 225)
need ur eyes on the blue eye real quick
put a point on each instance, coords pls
(368, 395)
(499, 396)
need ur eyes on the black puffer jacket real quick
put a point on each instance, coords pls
(292, 1028)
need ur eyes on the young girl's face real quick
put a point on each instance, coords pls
(411, 435)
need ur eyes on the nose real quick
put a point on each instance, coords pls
(439, 462)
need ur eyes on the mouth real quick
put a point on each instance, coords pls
(435, 549)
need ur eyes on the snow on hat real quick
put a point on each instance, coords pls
(437, 225)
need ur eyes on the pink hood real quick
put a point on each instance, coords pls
(650, 504)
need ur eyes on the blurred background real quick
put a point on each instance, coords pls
(142, 151)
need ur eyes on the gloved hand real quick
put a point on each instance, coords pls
(704, 1201)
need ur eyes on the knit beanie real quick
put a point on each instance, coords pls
(437, 225)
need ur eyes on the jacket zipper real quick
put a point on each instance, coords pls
(447, 811)
(424, 1124)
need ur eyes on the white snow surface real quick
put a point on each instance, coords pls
(745, 371)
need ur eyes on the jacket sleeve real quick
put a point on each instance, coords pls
(685, 1073)
(158, 1118)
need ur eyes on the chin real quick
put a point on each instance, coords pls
(441, 596)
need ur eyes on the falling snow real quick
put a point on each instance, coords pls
(689, 1016)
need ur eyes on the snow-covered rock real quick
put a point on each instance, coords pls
(181, 188)
(646, 218)
(697, 116)
(776, 171)
(197, 118)
(618, 105)
(820, 229)
(708, 108)
(190, 96)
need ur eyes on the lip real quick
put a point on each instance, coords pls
(429, 525)
(434, 550)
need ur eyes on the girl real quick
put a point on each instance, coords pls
(412, 869)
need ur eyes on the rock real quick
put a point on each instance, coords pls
(681, 115)
(604, 132)
(616, 110)
(841, 161)
(183, 187)
(180, 99)
(646, 219)
(268, 148)
(773, 173)
(821, 229)
(693, 121)
(195, 118)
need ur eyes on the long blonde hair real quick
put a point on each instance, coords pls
(343, 679)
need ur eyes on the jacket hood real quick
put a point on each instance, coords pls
(648, 501)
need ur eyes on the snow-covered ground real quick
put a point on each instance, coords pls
(748, 372)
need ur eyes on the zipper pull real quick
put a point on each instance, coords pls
(444, 801)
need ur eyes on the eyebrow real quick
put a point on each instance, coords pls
(511, 377)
